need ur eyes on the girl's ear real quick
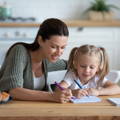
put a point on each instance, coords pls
(98, 70)
(74, 64)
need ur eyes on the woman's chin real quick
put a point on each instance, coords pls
(53, 60)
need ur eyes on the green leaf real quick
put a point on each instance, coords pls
(100, 5)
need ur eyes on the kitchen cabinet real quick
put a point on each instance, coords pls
(9, 36)
(99, 36)
(106, 34)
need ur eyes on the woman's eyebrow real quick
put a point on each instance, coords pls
(57, 45)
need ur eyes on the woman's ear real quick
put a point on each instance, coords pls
(40, 41)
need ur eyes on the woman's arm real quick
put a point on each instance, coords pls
(34, 95)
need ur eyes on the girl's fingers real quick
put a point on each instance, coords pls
(83, 93)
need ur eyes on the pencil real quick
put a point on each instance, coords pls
(58, 85)
(78, 84)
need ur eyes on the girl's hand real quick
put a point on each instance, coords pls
(62, 96)
(80, 93)
(93, 91)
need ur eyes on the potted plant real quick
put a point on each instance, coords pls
(99, 10)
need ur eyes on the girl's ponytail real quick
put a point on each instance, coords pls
(104, 63)
(71, 59)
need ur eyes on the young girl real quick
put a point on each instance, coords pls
(87, 67)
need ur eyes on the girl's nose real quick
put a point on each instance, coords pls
(87, 69)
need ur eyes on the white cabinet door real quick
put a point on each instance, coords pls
(106, 37)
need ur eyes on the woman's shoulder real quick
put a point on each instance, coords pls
(17, 53)
(17, 49)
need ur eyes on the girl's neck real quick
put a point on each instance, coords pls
(85, 82)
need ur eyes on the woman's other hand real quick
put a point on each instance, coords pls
(62, 96)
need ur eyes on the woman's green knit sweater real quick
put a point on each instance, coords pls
(16, 70)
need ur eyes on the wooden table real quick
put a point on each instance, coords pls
(27, 110)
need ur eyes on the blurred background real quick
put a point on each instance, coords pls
(63, 9)
(20, 20)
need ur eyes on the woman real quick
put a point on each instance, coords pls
(24, 71)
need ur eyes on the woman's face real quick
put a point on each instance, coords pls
(53, 48)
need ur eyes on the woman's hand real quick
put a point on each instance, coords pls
(62, 96)
(80, 93)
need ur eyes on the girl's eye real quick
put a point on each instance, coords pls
(92, 67)
(82, 66)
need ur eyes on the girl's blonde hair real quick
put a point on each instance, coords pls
(99, 52)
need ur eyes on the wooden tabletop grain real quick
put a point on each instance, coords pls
(32, 110)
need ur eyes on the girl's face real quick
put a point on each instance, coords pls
(53, 48)
(87, 67)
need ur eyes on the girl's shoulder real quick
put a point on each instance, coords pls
(70, 74)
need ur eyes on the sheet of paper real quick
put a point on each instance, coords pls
(115, 101)
(86, 99)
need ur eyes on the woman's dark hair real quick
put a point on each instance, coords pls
(49, 27)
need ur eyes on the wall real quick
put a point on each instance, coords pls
(63, 9)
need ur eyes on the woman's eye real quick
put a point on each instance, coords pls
(53, 47)
(63, 47)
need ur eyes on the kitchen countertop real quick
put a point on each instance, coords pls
(71, 23)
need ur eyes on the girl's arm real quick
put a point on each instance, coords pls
(77, 92)
(109, 88)
(34, 95)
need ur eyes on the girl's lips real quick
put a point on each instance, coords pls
(86, 75)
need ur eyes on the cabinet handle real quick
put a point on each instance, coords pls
(80, 29)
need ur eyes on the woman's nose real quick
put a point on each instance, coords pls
(59, 51)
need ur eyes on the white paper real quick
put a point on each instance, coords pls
(86, 99)
(115, 101)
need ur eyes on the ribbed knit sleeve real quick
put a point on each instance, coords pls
(11, 73)
(58, 65)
